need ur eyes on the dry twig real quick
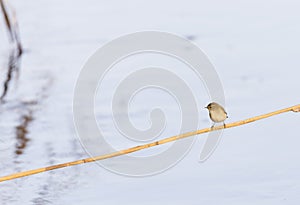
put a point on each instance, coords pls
(295, 108)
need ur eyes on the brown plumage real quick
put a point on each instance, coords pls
(216, 113)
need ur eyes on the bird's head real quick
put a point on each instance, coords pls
(211, 105)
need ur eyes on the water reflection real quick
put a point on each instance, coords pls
(21, 133)
(13, 66)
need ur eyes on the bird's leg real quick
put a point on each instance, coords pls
(224, 125)
(212, 126)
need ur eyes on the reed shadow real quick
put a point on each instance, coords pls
(13, 67)
(21, 133)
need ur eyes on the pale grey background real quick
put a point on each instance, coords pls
(254, 47)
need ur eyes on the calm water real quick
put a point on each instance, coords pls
(254, 48)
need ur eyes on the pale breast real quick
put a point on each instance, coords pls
(217, 115)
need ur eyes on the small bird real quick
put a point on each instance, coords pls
(216, 113)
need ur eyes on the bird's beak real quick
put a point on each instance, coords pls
(205, 107)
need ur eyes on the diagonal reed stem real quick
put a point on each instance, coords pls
(295, 108)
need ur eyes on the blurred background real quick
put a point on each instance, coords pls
(254, 47)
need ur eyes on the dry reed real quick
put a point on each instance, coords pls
(295, 108)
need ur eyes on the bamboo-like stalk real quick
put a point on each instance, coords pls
(295, 108)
